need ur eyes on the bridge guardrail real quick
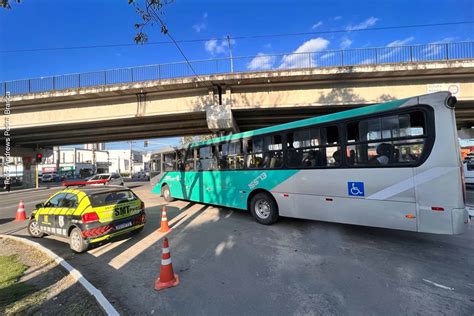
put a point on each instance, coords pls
(261, 62)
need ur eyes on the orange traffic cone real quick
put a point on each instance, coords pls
(167, 277)
(164, 222)
(20, 212)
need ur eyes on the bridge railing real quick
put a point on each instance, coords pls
(261, 62)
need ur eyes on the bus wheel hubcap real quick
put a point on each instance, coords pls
(262, 209)
(34, 228)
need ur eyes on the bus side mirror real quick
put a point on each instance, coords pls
(39, 205)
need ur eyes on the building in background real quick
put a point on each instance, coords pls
(128, 162)
(75, 162)
(95, 146)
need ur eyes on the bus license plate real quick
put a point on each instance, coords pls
(124, 225)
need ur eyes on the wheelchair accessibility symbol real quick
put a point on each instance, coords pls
(355, 188)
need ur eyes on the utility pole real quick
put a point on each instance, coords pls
(58, 159)
(230, 53)
(94, 162)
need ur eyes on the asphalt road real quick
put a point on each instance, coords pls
(229, 264)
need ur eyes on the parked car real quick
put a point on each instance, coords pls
(141, 176)
(114, 178)
(47, 177)
(88, 215)
(468, 172)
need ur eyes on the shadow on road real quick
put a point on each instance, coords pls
(6, 220)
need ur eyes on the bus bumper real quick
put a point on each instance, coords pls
(460, 220)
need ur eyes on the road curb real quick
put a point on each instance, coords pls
(24, 190)
(100, 298)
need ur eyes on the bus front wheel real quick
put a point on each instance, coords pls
(264, 208)
(166, 194)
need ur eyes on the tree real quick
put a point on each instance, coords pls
(186, 140)
(6, 3)
(151, 13)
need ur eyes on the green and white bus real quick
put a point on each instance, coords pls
(394, 165)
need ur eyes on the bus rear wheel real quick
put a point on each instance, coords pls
(166, 194)
(264, 208)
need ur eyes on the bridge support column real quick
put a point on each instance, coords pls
(29, 172)
(219, 115)
(466, 133)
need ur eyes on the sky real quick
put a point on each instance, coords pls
(34, 24)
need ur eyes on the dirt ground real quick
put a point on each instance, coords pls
(45, 288)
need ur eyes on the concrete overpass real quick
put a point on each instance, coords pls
(111, 111)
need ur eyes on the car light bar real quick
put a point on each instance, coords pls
(80, 183)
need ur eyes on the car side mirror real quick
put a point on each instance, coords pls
(39, 205)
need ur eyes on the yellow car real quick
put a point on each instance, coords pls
(88, 215)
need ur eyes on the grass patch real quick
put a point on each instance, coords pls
(10, 272)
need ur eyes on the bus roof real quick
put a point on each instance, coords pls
(309, 121)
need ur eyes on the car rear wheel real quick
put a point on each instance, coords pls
(264, 208)
(76, 242)
(34, 230)
(166, 194)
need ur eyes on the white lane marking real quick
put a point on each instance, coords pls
(439, 285)
(9, 206)
(103, 302)
(409, 183)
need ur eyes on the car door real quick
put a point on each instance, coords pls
(46, 217)
(62, 217)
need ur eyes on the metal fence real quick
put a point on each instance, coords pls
(334, 58)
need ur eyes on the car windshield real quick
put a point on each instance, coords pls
(100, 177)
(108, 198)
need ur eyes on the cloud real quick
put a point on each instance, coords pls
(202, 25)
(436, 50)
(401, 42)
(327, 55)
(363, 25)
(445, 40)
(261, 62)
(345, 43)
(337, 18)
(214, 46)
(387, 53)
(315, 26)
(298, 59)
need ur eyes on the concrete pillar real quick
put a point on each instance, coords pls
(219, 116)
(466, 133)
(29, 172)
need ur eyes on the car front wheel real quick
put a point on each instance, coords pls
(76, 242)
(34, 230)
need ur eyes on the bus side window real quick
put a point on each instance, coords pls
(313, 147)
(332, 150)
(206, 158)
(254, 157)
(168, 162)
(265, 152)
(189, 160)
(388, 140)
(235, 158)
